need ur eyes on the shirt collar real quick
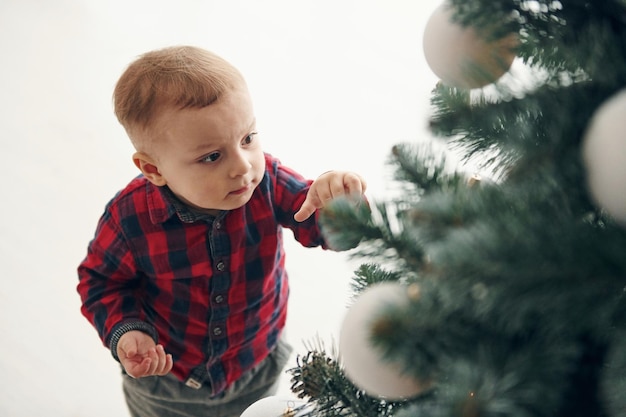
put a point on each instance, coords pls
(163, 204)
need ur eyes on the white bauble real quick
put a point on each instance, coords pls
(462, 58)
(604, 156)
(362, 362)
(275, 406)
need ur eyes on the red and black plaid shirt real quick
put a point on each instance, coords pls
(212, 290)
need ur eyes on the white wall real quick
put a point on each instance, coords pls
(335, 83)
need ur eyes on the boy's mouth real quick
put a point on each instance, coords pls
(242, 190)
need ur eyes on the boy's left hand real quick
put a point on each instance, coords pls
(330, 185)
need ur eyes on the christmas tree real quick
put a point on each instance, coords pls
(502, 295)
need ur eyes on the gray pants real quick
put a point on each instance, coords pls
(166, 396)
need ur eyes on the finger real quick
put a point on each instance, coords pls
(304, 213)
(154, 361)
(161, 368)
(354, 184)
(324, 191)
(169, 364)
(311, 203)
(336, 188)
(137, 369)
(160, 360)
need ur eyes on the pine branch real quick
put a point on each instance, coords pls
(369, 274)
(421, 167)
(379, 235)
(319, 378)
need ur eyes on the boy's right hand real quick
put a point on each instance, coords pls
(140, 356)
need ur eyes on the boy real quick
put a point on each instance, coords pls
(184, 279)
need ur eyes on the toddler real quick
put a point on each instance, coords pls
(185, 277)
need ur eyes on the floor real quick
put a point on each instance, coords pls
(335, 85)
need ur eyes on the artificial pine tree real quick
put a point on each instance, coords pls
(513, 286)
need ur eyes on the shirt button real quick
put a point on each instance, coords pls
(220, 266)
(219, 299)
(217, 331)
(218, 224)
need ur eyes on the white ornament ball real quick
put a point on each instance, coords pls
(460, 56)
(275, 406)
(363, 363)
(604, 156)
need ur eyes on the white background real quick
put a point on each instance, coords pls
(335, 83)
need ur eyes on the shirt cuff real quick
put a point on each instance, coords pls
(126, 327)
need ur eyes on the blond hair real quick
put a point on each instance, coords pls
(180, 76)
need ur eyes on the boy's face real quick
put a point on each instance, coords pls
(209, 157)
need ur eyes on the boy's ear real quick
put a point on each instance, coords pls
(149, 168)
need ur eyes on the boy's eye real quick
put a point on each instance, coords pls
(212, 157)
(248, 139)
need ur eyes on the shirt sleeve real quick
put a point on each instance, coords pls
(108, 281)
(289, 190)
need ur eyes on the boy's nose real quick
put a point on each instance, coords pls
(241, 165)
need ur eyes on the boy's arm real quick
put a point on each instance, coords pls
(291, 192)
(107, 284)
(109, 302)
